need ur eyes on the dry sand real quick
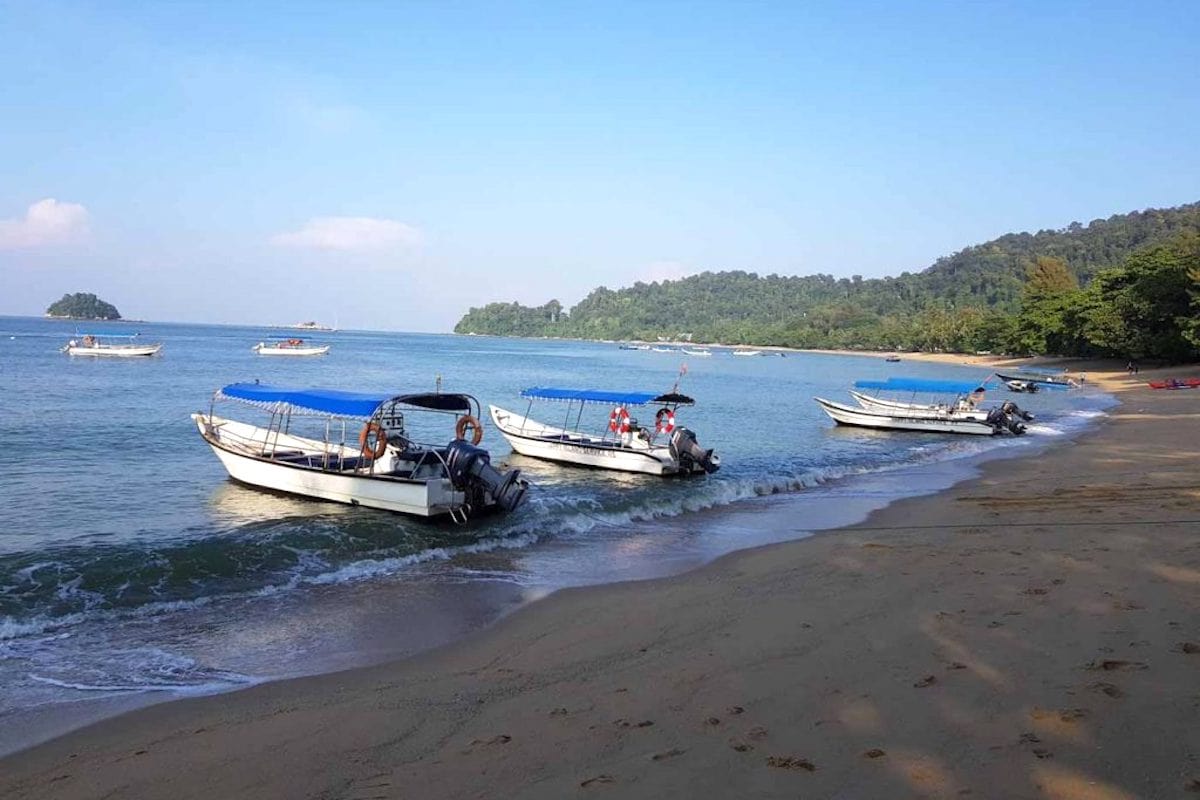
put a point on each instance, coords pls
(1034, 633)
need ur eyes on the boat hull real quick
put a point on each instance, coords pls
(119, 351)
(292, 351)
(915, 409)
(424, 498)
(536, 440)
(901, 421)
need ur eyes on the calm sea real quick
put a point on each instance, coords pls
(130, 567)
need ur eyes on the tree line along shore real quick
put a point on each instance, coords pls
(1125, 287)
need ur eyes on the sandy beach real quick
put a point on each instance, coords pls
(1033, 633)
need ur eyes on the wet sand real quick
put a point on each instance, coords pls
(1032, 633)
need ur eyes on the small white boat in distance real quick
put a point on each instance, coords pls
(747, 352)
(302, 450)
(289, 347)
(93, 344)
(624, 445)
(692, 352)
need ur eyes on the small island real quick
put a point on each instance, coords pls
(82, 305)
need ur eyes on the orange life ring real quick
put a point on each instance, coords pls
(364, 440)
(618, 420)
(664, 421)
(467, 421)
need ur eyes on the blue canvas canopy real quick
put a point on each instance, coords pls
(600, 396)
(920, 385)
(338, 403)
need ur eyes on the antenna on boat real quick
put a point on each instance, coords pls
(682, 372)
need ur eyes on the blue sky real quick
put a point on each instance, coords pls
(387, 165)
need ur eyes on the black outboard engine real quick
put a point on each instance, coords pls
(1001, 419)
(471, 469)
(688, 452)
(1012, 409)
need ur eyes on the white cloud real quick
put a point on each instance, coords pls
(350, 233)
(45, 222)
(667, 271)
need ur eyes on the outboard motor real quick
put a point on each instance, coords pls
(1012, 409)
(471, 468)
(1001, 419)
(688, 452)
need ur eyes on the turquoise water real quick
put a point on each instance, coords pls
(130, 563)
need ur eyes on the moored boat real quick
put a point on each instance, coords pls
(302, 449)
(290, 346)
(1176, 383)
(624, 445)
(964, 397)
(694, 352)
(898, 420)
(95, 344)
(747, 352)
(1039, 378)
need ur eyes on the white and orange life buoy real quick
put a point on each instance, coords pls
(664, 421)
(618, 420)
(372, 449)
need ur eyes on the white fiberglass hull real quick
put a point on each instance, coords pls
(916, 409)
(902, 421)
(531, 438)
(292, 351)
(425, 498)
(115, 351)
(747, 352)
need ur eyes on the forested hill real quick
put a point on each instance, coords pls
(82, 305)
(971, 296)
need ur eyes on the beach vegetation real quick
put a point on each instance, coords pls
(1126, 286)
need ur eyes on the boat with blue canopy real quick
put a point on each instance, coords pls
(945, 406)
(306, 446)
(110, 344)
(624, 444)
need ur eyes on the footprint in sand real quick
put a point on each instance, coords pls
(875, 752)
(1115, 665)
(598, 780)
(1190, 648)
(675, 751)
(791, 762)
(757, 733)
(734, 710)
(1109, 689)
(712, 721)
(928, 680)
(1067, 715)
(740, 747)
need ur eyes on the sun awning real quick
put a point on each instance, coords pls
(920, 385)
(323, 401)
(601, 396)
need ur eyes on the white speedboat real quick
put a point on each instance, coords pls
(301, 449)
(624, 445)
(747, 352)
(963, 398)
(290, 347)
(91, 344)
(904, 421)
(702, 353)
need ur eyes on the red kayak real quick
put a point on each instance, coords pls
(1176, 383)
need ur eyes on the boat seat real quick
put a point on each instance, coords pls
(318, 461)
